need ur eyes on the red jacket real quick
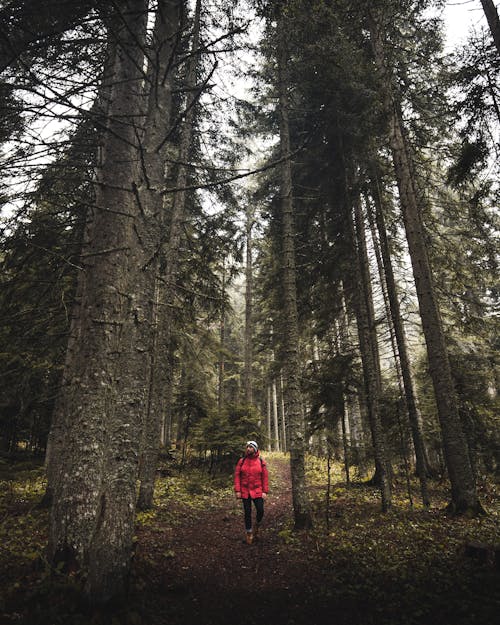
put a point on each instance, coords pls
(251, 478)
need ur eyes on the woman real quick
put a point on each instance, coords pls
(251, 483)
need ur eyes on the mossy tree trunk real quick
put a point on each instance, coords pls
(103, 395)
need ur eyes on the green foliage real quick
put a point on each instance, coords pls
(479, 403)
(22, 526)
(329, 381)
(336, 116)
(470, 160)
(316, 469)
(223, 435)
(403, 563)
(476, 73)
(193, 490)
(39, 252)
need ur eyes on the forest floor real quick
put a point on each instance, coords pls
(191, 564)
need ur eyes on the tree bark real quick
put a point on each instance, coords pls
(360, 421)
(282, 415)
(491, 13)
(463, 488)
(341, 348)
(168, 392)
(268, 416)
(222, 338)
(365, 318)
(55, 451)
(415, 419)
(248, 308)
(103, 396)
(355, 425)
(345, 441)
(276, 431)
(163, 51)
(291, 372)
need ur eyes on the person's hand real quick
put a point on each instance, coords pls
(238, 495)
(264, 495)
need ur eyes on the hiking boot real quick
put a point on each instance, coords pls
(249, 538)
(256, 532)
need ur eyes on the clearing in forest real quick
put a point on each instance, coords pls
(191, 564)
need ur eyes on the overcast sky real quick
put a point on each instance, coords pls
(461, 16)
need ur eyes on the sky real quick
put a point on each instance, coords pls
(460, 16)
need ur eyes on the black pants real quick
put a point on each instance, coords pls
(247, 507)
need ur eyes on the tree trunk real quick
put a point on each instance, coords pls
(248, 308)
(276, 430)
(463, 488)
(268, 416)
(491, 13)
(55, 451)
(282, 415)
(360, 422)
(354, 420)
(363, 304)
(341, 346)
(222, 336)
(103, 396)
(169, 15)
(415, 419)
(345, 441)
(181, 417)
(168, 392)
(301, 506)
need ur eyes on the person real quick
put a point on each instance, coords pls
(251, 483)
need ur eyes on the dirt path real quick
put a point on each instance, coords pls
(402, 568)
(214, 577)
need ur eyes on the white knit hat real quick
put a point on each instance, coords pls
(253, 444)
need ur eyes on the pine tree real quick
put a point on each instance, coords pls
(155, 150)
(101, 396)
(464, 493)
(302, 514)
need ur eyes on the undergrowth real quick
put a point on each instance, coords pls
(404, 567)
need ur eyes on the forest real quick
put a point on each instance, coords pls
(234, 220)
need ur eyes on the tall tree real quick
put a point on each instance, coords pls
(102, 395)
(368, 344)
(291, 365)
(222, 338)
(54, 456)
(248, 306)
(155, 147)
(402, 351)
(463, 487)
